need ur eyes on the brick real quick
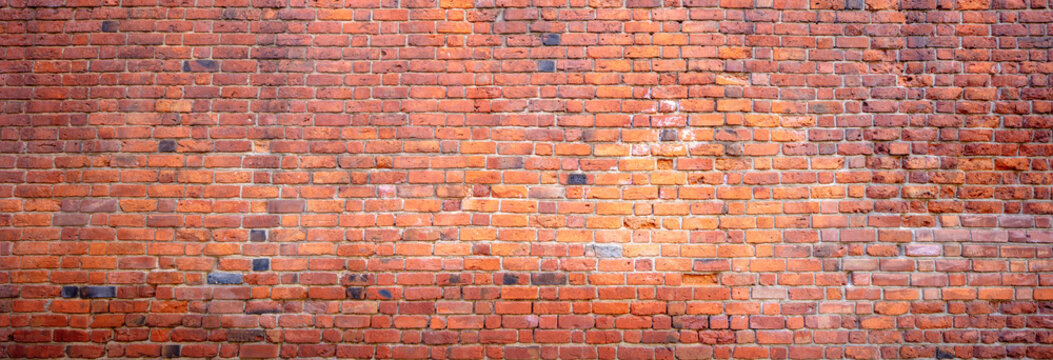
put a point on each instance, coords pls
(171, 351)
(98, 292)
(257, 235)
(98, 205)
(166, 146)
(550, 39)
(548, 278)
(245, 335)
(200, 65)
(607, 250)
(224, 278)
(257, 351)
(70, 291)
(476, 179)
(285, 206)
(577, 179)
(546, 66)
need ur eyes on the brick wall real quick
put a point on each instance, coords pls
(522, 179)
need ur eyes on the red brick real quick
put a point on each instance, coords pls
(713, 176)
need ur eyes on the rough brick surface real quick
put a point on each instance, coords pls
(468, 179)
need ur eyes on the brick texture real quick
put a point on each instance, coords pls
(525, 179)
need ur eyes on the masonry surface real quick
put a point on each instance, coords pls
(525, 179)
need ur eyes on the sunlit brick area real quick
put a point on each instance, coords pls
(526, 179)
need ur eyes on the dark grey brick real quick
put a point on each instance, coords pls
(224, 278)
(577, 179)
(261, 264)
(257, 235)
(110, 26)
(546, 65)
(550, 39)
(166, 146)
(548, 278)
(70, 291)
(384, 293)
(98, 292)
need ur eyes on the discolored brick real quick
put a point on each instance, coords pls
(224, 278)
(166, 146)
(98, 292)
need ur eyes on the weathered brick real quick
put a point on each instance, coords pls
(466, 179)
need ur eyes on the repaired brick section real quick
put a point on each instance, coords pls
(638, 179)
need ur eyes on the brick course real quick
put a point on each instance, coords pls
(637, 179)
